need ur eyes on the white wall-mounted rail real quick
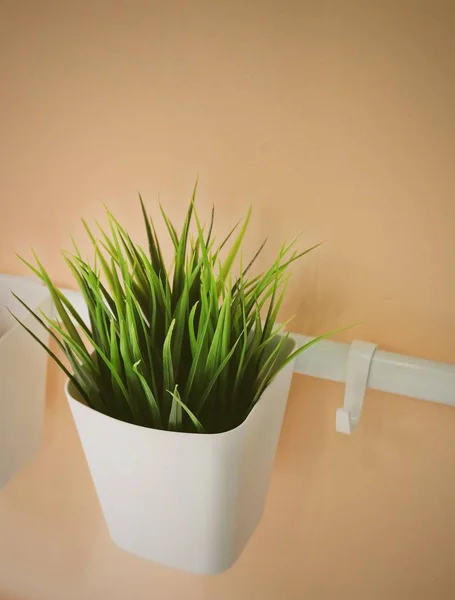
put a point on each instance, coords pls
(389, 372)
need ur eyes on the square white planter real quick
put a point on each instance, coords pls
(186, 500)
(23, 366)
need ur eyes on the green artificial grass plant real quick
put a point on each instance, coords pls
(181, 349)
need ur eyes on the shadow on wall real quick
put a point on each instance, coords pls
(310, 300)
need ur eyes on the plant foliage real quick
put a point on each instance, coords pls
(181, 349)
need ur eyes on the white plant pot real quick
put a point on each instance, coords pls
(22, 373)
(186, 500)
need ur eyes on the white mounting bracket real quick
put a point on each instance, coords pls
(358, 369)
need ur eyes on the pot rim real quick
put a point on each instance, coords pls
(69, 390)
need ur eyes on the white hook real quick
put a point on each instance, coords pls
(358, 369)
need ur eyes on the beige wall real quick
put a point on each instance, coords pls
(333, 117)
